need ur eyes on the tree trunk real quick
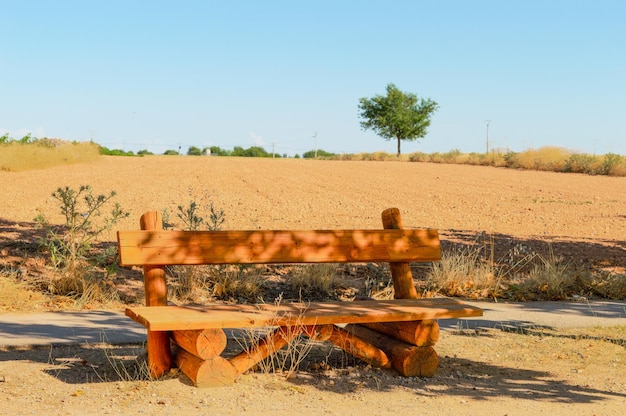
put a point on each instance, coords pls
(399, 140)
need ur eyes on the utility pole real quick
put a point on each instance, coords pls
(315, 138)
(487, 143)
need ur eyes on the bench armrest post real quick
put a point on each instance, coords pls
(403, 285)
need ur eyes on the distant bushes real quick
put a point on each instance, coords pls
(319, 153)
(29, 153)
(554, 159)
(115, 152)
(254, 151)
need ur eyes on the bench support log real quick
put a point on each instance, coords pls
(203, 343)
(360, 348)
(419, 333)
(214, 372)
(409, 360)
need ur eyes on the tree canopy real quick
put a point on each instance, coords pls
(397, 115)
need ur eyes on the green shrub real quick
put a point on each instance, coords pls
(581, 163)
(312, 154)
(194, 151)
(70, 246)
(115, 152)
(611, 161)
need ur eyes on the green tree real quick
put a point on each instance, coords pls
(311, 154)
(218, 151)
(194, 151)
(397, 115)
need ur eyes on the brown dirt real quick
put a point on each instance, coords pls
(583, 218)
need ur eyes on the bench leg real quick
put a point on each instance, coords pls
(159, 353)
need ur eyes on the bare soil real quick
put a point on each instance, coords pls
(581, 218)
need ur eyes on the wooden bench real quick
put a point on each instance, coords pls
(398, 333)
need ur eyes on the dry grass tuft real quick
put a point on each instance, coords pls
(197, 283)
(314, 280)
(16, 295)
(86, 291)
(546, 158)
(473, 272)
(464, 272)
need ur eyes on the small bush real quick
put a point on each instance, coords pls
(189, 282)
(546, 158)
(549, 279)
(464, 272)
(419, 157)
(69, 246)
(610, 285)
(611, 161)
(582, 163)
(475, 159)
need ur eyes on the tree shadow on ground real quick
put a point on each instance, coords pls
(594, 253)
(475, 380)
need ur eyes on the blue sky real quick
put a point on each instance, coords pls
(161, 75)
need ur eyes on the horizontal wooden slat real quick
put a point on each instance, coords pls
(250, 247)
(168, 318)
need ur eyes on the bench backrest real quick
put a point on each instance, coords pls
(141, 248)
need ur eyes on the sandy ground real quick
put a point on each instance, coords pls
(486, 373)
(292, 194)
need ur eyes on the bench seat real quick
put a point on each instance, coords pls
(169, 318)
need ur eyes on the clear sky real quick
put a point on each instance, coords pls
(160, 75)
